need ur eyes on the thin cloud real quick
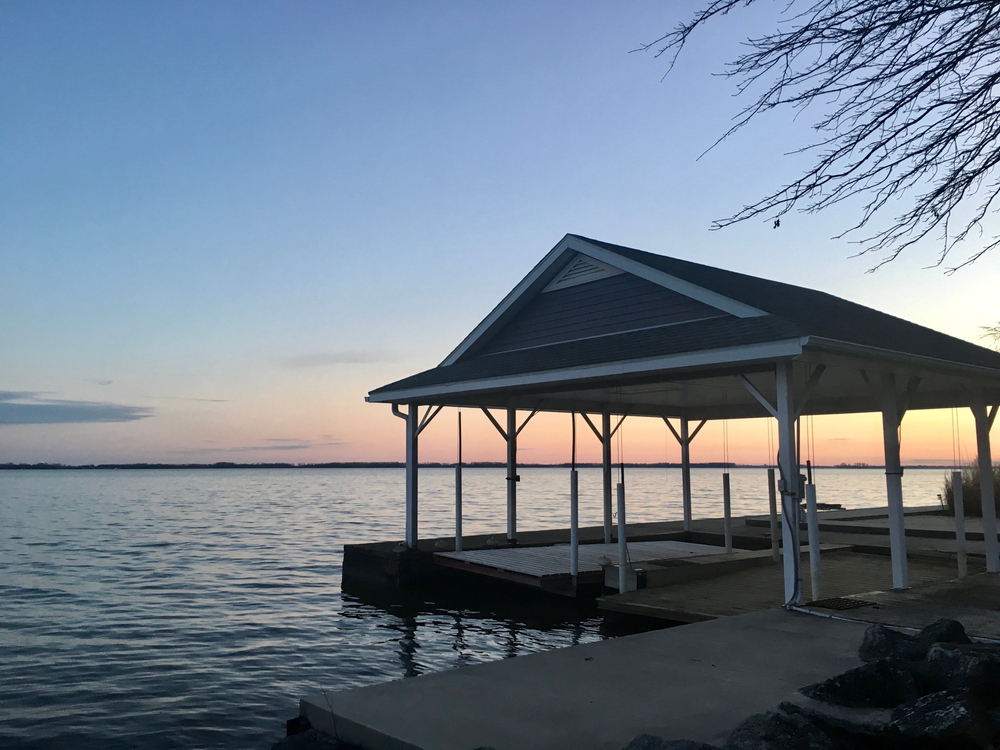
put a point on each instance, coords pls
(32, 407)
(98, 381)
(280, 445)
(326, 359)
(190, 398)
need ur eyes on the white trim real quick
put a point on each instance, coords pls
(731, 355)
(543, 265)
(609, 258)
(941, 366)
(594, 270)
(714, 299)
(604, 335)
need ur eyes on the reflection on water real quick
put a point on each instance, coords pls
(163, 609)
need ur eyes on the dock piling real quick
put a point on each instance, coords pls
(622, 544)
(956, 486)
(812, 522)
(727, 521)
(772, 497)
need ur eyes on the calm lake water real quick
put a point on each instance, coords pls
(189, 609)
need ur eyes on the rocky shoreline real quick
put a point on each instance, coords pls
(936, 690)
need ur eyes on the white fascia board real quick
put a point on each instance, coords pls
(543, 265)
(941, 366)
(772, 350)
(714, 299)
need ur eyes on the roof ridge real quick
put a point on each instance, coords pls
(770, 282)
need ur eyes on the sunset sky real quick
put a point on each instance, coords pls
(222, 224)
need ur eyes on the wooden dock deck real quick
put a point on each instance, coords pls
(845, 572)
(548, 567)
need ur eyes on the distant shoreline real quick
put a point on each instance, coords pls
(430, 465)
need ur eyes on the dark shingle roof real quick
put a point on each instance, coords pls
(793, 312)
(819, 313)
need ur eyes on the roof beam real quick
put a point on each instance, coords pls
(690, 437)
(428, 416)
(596, 431)
(911, 389)
(525, 422)
(759, 396)
(496, 424)
(625, 414)
(807, 392)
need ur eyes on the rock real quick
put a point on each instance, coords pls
(880, 642)
(883, 683)
(848, 728)
(307, 740)
(944, 630)
(973, 666)
(994, 718)
(952, 719)
(778, 731)
(652, 742)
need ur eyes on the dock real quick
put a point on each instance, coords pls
(548, 567)
(694, 682)
(846, 573)
(739, 652)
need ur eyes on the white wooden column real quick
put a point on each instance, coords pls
(893, 480)
(788, 485)
(412, 423)
(983, 425)
(458, 489)
(686, 472)
(512, 475)
(606, 446)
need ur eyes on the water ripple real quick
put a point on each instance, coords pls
(192, 609)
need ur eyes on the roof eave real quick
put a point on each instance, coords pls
(739, 355)
(935, 364)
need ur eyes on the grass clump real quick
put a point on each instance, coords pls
(971, 494)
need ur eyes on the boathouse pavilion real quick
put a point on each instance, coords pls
(601, 329)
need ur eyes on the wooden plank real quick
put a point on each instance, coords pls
(553, 561)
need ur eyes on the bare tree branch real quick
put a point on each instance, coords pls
(908, 94)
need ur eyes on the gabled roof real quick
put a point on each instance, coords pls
(591, 309)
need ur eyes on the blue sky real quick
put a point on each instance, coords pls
(222, 224)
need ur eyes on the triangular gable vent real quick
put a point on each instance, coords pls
(581, 270)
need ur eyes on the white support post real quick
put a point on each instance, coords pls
(412, 423)
(686, 472)
(958, 494)
(983, 424)
(812, 520)
(775, 531)
(458, 490)
(574, 520)
(727, 521)
(622, 544)
(788, 485)
(512, 477)
(606, 446)
(894, 480)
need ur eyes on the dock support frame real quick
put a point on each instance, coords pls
(684, 439)
(512, 477)
(606, 465)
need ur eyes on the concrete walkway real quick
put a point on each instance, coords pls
(695, 682)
